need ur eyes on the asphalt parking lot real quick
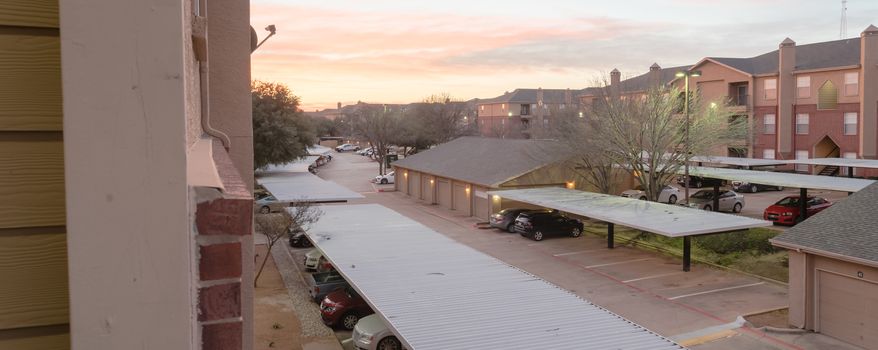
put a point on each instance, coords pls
(699, 309)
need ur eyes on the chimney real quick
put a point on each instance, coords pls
(615, 78)
(786, 98)
(655, 76)
(869, 93)
(568, 97)
(339, 106)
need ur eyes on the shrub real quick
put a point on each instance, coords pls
(755, 240)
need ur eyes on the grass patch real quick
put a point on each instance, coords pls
(747, 250)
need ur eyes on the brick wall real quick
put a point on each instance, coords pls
(222, 224)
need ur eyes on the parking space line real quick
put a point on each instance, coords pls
(653, 276)
(715, 290)
(579, 252)
(616, 263)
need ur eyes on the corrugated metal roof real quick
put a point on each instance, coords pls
(832, 183)
(435, 293)
(738, 161)
(299, 165)
(664, 219)
(847, 228)
(304, 186)
(840, 162)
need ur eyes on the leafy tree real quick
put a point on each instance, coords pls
(281, 132)
(275, 226)
(325, 127)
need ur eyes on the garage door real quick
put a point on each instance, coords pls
(415, 184)
(402, 181)
(426, 188)
(444, 193)
(461, 199)
(482, 203)
(847, 309)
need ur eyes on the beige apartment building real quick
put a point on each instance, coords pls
(522, 112)
(125, 174)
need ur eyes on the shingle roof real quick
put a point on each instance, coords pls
(482, 160)
(847, 228)
(828, 54)
(530, 96)
(641, 82)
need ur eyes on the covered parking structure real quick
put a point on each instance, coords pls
(800, 181)
(304, 186)
(663, 219)
(746, 163)
(844, 163)
(436, 293)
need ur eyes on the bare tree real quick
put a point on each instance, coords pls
(441, 117)
(644, 135)
(379, 126)
(275, 226)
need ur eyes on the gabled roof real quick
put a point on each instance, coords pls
(530, 96)
(846, 229)
(828, 54)
(484, 161)
(641, 82)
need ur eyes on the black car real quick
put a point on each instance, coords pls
(743, 186)
(505, 219)
(300, 240)
(538, 225)
(699, 182)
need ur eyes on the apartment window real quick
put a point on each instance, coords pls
(827, 96)
(850, 123)
(562, 107)
(768, 153)
(503, 106)
(848, 155)
(803, 87)
(482, 107)
(525, 109)
(802, 124)
(770, 87)
(769, 123)
(545, 122)
(502, 121)
(800, 154)
(851, 84)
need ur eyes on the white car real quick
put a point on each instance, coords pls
(347, 148)
(312, 258)
(371, 333)
(668, 195)
(385, 179)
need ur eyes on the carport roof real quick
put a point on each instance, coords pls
(304, 186)
(484, 161)
(299, 165)
(664, 219)
(738, 161)
(436, 293)
(846, 230)
(840, 162)
(832, 183)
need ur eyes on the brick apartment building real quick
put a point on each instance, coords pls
(519, 113)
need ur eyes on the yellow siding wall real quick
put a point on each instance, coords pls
(33, 244)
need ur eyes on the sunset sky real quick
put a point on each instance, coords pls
(387, 51)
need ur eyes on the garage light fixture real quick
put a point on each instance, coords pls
(496, 198)
(571, 184)
(431, 181)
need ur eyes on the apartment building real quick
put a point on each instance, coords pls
(522, 112)
(803, 101)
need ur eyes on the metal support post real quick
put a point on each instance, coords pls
(611, 242)
(803, 204)
(716, 197)
(687, 253)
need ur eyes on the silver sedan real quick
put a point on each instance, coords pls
(729, 201)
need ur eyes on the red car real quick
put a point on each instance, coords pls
(786, 211)
(343, 307)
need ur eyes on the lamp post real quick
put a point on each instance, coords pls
(685, 75)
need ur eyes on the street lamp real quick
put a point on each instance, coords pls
(685, 75)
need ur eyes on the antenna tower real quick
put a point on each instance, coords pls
(843, 28)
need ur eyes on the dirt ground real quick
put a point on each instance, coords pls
(776, 319)
(275, 324)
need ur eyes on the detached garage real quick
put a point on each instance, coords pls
(834, 270)
(464, 169)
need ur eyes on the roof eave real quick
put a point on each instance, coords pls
(827, 69)
(821, 252)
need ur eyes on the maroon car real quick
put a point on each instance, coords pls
(343, 307)
(786, 211)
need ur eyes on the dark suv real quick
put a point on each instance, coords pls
(538, 225)
(699, 182)
(505, 219)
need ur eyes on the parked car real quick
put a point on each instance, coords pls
(299, 239)
(699, 182)
(540, 224)
(385, 179)
(347, 148)
(668, 194)
(268, 204)
(313, 258)
(343, 307)
(322, 283)
(786, 211)
(728, 200)
(743, 186)
(363, 151)
(505, 219)
(371, 333)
